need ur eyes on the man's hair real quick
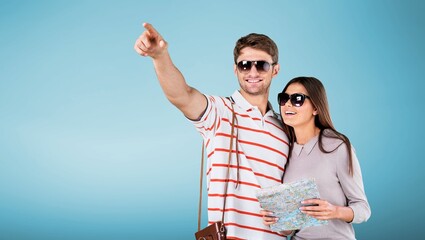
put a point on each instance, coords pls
(259, 42)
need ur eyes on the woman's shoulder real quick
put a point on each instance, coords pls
(331, 140)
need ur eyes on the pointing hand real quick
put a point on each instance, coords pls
(150, 43)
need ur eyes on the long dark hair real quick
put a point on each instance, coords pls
(316, 92)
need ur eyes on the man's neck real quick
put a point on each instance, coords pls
(260, 101)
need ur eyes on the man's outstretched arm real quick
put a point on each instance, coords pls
(189, 100)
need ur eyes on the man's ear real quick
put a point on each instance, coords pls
(276, 69)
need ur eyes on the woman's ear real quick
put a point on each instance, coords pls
(315, 112)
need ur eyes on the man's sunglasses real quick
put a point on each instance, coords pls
(297, 99)
(261, 66)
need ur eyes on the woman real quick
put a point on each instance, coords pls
(319, 151)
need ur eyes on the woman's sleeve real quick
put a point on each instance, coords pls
(353, 185)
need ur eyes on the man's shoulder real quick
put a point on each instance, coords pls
(219, 101)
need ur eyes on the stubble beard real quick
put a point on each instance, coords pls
(257, 91)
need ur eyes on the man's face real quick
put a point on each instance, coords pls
(255, 81)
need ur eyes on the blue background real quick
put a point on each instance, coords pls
(91, 149)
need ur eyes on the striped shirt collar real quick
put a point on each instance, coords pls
(245, 105)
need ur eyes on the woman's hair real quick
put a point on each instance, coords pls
(316, 92)
(259, 42)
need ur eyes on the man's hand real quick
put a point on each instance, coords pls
(150, 43)
(268, 218)
(188, 100)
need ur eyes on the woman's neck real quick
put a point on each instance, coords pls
(304, 134)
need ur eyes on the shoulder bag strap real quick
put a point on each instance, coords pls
(227, 176)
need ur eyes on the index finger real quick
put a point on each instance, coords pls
(311, 202)
(266, 213)
(151, 30)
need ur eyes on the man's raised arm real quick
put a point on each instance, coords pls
(189, 100)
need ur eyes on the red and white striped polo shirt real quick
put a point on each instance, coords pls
(262, 152)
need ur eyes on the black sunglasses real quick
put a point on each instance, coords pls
(261, 66)
(297, 99)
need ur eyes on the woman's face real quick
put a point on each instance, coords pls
(298, 117)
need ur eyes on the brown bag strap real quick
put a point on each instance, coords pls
(232, 132)
(200, 190)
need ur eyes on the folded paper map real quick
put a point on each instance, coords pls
(284, 201)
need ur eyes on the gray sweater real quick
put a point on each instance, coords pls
(335, 184)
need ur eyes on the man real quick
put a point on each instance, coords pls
(260, 152)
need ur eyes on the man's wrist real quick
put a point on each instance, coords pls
(291, 234)
(288, 233)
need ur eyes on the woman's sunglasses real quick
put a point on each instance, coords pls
(261, 66)
(297, 99)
